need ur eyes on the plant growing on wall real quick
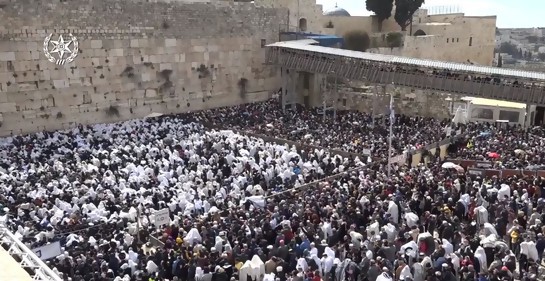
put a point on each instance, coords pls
(405, 10)
(357, 40)
(128, 72)
(381, 8)
(112, 111)
(394, 39)
(203, 71)
(167, 84)
(59, 115)
(242, 86)
(329, 25)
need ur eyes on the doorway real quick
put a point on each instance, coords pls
(540, 114)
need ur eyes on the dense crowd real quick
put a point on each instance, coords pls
(308, 126)
(505, 147)
(240, 208)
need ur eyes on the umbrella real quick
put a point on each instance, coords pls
(459, 168)
(448, 165)
(493, 155)
(154, 114)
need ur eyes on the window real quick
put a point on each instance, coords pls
(482, 113)
(447, 40)
(470, 41)
(263, 43)
(452, 40)
(457, 40)
(302, 24)
(512, 116)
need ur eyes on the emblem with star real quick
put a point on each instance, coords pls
(61, 47)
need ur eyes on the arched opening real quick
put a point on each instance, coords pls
(420, 32)
(302, 24)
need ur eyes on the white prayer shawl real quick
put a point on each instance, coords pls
(384, 277)
(455, 261)
(481, 215)
(419, 274)
(411, 219)
(481, 256)
(529, 249)
(410, 248)
(151, 267)
(326, 229)
(449, 249)
(393, 210)
(489, 229)
(405, 272)
(302, 264)
(193, 237)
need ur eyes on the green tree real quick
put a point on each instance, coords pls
(381, 8)
(357, 40)
(405, 10)
(509, 48)
(541, 56)
(532, 39)
(394, 39)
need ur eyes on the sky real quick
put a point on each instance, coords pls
(510, 13)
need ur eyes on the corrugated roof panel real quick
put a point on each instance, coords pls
(414, 61)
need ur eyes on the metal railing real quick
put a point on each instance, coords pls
(26, 258)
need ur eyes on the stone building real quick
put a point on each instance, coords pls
(138, 57)
(447, 37)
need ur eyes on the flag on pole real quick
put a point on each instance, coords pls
(392, 111)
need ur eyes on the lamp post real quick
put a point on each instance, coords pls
(390, 136)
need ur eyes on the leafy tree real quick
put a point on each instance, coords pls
(532, 39)
(405, 10)
(509, 48)
(394, 39)
(541, 56)
(381, 8)
(500, 61)
(357, 40)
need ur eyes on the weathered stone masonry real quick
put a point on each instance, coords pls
(135, 58)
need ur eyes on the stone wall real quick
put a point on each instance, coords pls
(134, 58)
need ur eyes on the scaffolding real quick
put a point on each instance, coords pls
(39, 271)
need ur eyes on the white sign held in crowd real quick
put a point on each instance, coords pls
(399, 159)
(162, 217)
(366, 151)
(48, 251)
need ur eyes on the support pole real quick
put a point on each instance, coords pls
(392, 119)
(284, 92)
(336, 100)
(323, 104)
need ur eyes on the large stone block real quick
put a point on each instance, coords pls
(7, 56)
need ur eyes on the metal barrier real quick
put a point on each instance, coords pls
(486, 169)
(26, 258)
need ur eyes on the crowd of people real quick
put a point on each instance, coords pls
(505, 147)
(309, 127)
(240, 208)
